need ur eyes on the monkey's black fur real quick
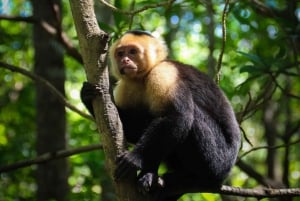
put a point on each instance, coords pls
(197, 136)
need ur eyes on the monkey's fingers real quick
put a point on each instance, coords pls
(88, 92)
(150, 182)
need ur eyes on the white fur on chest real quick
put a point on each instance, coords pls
(154, 93)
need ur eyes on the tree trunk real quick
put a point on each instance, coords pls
(93, 45)
(51, 177)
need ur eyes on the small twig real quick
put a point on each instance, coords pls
(254, 104)
(47, 84)
(268, 147)
(282, 89)
(49, 157)
(263, 10)
(134, 12)
(28, 19)
(245, 137)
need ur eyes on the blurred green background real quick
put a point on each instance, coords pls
(260, 74)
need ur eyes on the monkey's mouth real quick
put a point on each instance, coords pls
(128, 70)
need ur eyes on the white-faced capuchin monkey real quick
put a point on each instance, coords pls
(174, 114)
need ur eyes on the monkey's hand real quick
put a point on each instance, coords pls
(150, 182)
(127, 163)
(88, 93)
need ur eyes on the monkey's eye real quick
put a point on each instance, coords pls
(120, 54)
(132, 51)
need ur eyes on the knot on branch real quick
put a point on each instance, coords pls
(98, 37)
(104, 38)
(101, 89)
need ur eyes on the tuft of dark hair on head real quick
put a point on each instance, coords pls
(139, 32)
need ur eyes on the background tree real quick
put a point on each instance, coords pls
(50, 112)
(260, 75)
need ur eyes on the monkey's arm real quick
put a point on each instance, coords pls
(134, 121)
(160, 138)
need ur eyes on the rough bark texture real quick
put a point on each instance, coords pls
(52, 177)
(93, 46)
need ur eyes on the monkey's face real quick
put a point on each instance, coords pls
(133, 56)
(129, 60)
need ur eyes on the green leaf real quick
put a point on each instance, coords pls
(250, 69)
(253, 58)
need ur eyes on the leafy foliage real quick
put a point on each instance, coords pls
(260, 75)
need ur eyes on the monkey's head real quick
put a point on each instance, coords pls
(135, 54)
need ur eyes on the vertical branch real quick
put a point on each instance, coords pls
(93, 45)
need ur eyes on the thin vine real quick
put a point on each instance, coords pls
(224, 38)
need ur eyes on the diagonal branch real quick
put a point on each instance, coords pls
(56, 32)
(44, 158)
(252, 173)
(47, 84)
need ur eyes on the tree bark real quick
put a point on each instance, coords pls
(93, 45)
(51, 177)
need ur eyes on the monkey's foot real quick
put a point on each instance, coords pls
(150, 182)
